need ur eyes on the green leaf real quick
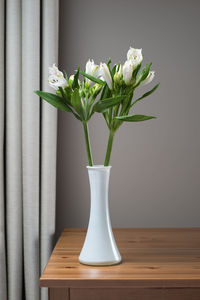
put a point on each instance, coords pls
(54, 100)
(106, 117)
(104, 104)
(76, 116)
(68, 91)
(112, 72)
(106, 93)
(66, 77)
(76, 101)
(97, 80)
(75, 82)
(126, 103)
(149, 92)
(63, 95)
(146, 94)
(134, 118)
(109, 62)
(135, 72)
(118, 66)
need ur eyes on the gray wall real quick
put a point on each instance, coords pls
(155, 179)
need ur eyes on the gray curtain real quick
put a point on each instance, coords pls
(28, 131)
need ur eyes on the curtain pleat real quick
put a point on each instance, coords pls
(14, 207)
(31, 143)
(28, 134)
(3, 288)
(48, 133)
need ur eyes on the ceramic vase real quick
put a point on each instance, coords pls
(99, 247)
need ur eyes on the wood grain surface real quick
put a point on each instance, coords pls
(151, 258)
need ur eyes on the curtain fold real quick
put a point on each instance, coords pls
(31, 143)
(3, 288)
(28, 133)
(48, 134)
(13, 153)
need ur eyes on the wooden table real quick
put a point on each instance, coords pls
(158, 264)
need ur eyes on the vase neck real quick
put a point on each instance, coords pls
(99, 185)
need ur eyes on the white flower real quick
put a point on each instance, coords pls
(55, 82)
(54, 71)
(149, 78)
(92, 69)
(127, 71)
(134, 58)
(105, 74)
(135, 55)
(56, 78)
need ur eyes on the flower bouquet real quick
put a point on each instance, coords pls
(109, 91)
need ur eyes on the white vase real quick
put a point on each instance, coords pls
(99, 247)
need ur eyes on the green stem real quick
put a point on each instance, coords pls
(87, 142)
(109, 148)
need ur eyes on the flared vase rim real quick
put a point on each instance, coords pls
(98, 167)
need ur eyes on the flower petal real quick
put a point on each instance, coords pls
(105, 73)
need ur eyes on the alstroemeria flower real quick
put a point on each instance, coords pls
(127, 71)
(55, 82)
(135, 55)
(92, 69)
(105, 74)
(56, 78)
(149, 78)
(54, 71)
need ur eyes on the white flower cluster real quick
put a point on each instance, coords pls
(125, 71)
(100, 71)
(134, 58)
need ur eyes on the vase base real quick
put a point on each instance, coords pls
(100, 264)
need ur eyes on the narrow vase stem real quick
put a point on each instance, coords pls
(109, 148)
(87, 142)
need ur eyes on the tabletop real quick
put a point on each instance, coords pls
(161, 257)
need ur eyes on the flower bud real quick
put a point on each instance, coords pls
(127, 72)
(92, 69)
(149, 78)
(105, 73)
(116, 78)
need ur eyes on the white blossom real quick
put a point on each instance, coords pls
(127, 71)
(105, 74)
(55, 82)
(54, 71)
(135, 55)
(56, 78)
(92, 69)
